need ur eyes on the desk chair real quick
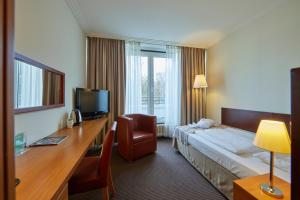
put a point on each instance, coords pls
(95, 172)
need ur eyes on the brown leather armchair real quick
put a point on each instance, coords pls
(136, 135)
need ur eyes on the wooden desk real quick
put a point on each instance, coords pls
(248, 188)
(44, 171)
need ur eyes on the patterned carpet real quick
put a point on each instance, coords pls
(165, 175)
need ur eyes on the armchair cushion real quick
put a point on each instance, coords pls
(141, 136)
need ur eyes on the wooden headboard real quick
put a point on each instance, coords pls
(249, 120)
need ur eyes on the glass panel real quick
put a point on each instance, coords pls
(159, 68)
(145, 85)
(28, 85)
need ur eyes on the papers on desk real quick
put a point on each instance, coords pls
(50, 140)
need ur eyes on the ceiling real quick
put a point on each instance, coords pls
(195, 23)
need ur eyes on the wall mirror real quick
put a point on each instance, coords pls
(36, 86)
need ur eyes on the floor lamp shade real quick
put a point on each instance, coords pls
(200, 81)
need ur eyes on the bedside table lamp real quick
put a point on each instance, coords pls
(272, 136)
(200, 82)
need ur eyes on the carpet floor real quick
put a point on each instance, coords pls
(165, 175)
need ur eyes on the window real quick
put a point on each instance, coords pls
(153, 83)
(153, 66)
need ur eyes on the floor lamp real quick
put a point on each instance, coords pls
(200, 83)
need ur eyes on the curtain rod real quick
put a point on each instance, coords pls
(161, 43)
(141, 40)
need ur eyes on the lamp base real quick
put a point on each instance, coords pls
(274, 191)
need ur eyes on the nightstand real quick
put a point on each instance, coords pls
(248, 188)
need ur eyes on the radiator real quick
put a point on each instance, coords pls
(160, 129)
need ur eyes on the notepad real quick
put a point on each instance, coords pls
(50, 140)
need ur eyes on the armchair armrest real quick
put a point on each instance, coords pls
(125, 127)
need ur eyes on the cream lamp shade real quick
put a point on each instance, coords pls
(200, 81)
(273, 136)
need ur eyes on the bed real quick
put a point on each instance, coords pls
(225, 153)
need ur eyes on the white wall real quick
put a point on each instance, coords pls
(250, 69)
(46, 31)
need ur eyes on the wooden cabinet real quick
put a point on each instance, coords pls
(248, 188)
(295, 98)
(7, 172)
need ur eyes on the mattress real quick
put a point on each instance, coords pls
(240, 165)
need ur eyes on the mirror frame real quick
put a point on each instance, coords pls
(45, 67)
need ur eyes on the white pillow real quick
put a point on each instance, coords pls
(205, 123)
(281, 161)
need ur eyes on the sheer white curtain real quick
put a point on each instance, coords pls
(133, 100)
(28, 85)
(173, 89)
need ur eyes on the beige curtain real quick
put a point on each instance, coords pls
(192, 106)
(106, 70)
(51, 88)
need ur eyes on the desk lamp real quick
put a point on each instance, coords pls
(272, 136)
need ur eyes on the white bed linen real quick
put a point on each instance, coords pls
(235, 140)
(281, 161)
(240, 165)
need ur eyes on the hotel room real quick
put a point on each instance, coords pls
(150, 100)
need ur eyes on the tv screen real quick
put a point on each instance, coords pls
(92, 101)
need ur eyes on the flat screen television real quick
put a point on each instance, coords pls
(92, 103)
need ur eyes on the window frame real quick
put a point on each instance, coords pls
(150, 54)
